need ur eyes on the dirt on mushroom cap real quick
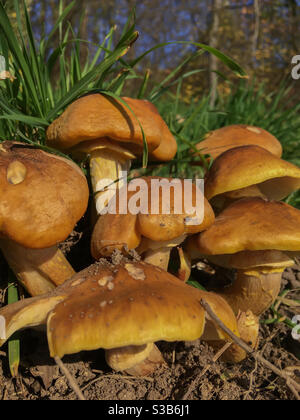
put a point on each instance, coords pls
(137, 304)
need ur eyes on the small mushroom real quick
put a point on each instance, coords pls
(152, 232)
(137, 313)
(249, 171)
(110, 134)
(257, 238)
(248, 327)
(42, 198)
(219, 141)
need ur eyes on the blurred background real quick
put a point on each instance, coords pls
(58, 50)
(261, 35)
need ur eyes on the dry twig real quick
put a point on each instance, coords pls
(292, 385)
(70, 378)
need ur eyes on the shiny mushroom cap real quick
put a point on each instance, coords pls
(42, 196)
(128, 230)
(111, 306)
(97, 117)
(246, 166)
(225, 138)
(252, 236)
(252, 224)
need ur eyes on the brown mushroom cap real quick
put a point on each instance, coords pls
(225, 138)
(251, 165)
(269, 260)
(42, 196)
(109, 306)
(117, 230)
(134, 305)
(96, 116)
(252, 224)
(253, 236)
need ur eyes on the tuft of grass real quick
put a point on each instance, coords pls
(45, 81)
(277, 112)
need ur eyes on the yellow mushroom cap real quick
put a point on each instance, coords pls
(225, 138)
(132, 304)
(244, 166)
(252, 224)
(97, 117)
(118, 230)
(42, 196)
(110, 306)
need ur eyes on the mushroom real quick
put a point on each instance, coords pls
(121, 308)
(246, 166)
(219, 141)
(257, 238)
(249, 171)
(151, 232)
(110, 134)
(42, 198)
(248, 328)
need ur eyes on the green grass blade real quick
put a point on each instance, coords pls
(130, 22)
(229, 62)
(14, 342)
(174, 72)
(37, 122)
(195, 284)
(58, 22)
(108, 38)
(19, 57)
(81, 86)
(35, 67)
(145, 146)
(142, 90)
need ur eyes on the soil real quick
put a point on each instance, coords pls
(191, 372)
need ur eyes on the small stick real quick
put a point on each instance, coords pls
(293, 385)
(70, 378)
(204, 370)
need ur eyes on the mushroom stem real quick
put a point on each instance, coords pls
(105, 169)
(252, 291)
(185, 267)
(159, 257)
(38, 270)
(135, 360)
(220, 202)
(158, 253)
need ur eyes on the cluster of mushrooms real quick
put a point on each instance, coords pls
(126, 304)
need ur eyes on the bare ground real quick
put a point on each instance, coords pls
(40, 379)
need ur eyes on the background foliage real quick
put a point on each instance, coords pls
(261, 35)
(58, 50)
